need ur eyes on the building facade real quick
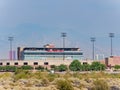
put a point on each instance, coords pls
(112, 61)
(49, 53)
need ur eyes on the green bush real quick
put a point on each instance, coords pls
(64, 85)
(41, 68)
(75, 66)
(8, 68)
(97, 66)
(85, 67)
(11, 68)
(62, 67)
(53, 67)
(2, 68)
(117, 66)
(26, 67)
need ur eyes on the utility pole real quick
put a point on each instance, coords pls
(11, 39)
(63, 35)
(93, 52)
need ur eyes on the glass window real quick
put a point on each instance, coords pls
(25, 63)
(35, 63)
(7, 63)
(1, 63)
(16, 63)
(46, 63)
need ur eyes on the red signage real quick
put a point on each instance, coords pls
(55, 50)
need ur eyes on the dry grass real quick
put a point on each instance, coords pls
(46, 81)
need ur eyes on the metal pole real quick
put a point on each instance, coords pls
(63, 35)
(11, 39)
(63, 48)
(63, 42)
(111, 35)
(111, 47)
(93, 52)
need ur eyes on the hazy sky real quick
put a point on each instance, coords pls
(37, 22)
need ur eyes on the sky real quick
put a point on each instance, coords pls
(34, 23)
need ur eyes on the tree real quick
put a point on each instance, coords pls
(102, 67)
(85, 67)
(75, 66)
(97, 66)
(62, 67)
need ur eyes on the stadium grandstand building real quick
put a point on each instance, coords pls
(49, 52)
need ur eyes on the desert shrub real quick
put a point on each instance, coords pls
(100, 85)
(53, 67)
(18, 71)
(67, 75)
(6, 75)
(38, 75)
(76, 75)
(75, 82)
(64, 85)
(22, 74)
(41, 68)
(45, 82)
(52, 77)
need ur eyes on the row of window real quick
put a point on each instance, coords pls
(25, 63)
(53, 53)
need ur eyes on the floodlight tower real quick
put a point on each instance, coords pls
(63, 35)
(93, 39)
(111, 35)
(11, 40)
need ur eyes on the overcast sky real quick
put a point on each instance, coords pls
(38, 22)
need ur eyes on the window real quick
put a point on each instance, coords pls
(25, 63)
(35, 63)
(1, 63)
(16, 63)
(85, 63)
(7, 63)
(45, 63)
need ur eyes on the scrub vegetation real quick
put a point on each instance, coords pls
(63, 78)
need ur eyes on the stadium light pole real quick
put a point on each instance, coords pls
(11, 39)
(93, 44)
(63, 35)
(111, 35)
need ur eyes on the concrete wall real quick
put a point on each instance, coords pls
(112, 61)
(41, 62)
